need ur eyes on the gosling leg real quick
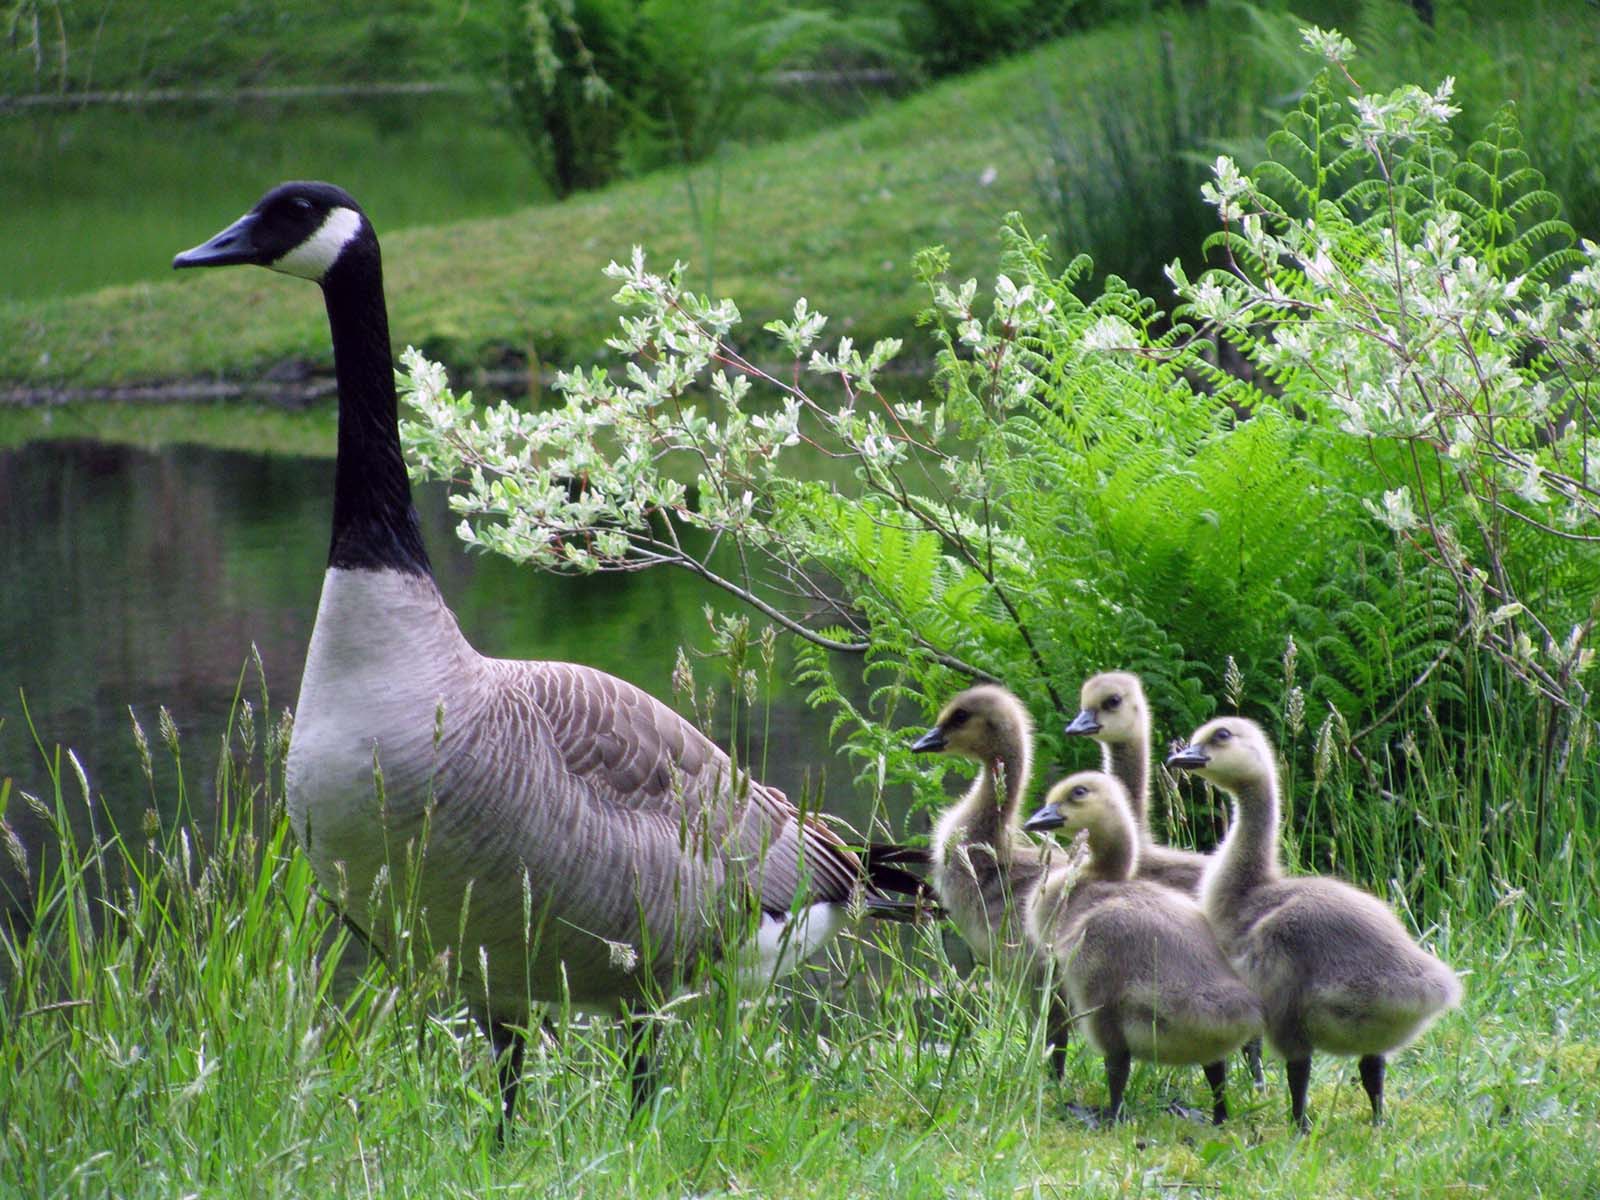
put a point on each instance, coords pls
(1299, 1071)
(1252, 1058)
(1217, 1077)
(1117, 1065)
(1372, 1079)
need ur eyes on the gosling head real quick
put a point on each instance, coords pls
(982, 723)
(1089, 800)
(1111, 709)
(298, 228)
(1231, 752)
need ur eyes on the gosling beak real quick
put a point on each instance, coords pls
(1082, 724)
(1190, 758)
(1045, 819)
(932, 740)
(235, 244)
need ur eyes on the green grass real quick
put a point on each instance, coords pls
(835, 217)
(187, 1016)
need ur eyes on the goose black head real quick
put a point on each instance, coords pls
(1111, 709)
(297, 228)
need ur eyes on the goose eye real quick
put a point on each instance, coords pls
(301, 203)
(1112, 703)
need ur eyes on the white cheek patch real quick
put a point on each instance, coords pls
(312, 257)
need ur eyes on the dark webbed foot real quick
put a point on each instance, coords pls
(1095, 1116)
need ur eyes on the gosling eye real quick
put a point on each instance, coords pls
(1078, 793)
(1221, 736)
(1112, 703)
(958, 718)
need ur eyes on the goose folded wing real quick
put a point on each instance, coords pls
(637, 757)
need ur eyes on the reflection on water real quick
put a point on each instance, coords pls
(141, 578)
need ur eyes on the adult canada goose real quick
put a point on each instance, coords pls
(578, 839)
(1333, 966)
(1112, 710)
(982, 866)
(1135, 960)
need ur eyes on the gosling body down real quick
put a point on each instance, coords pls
(574, 841)
(1335, 969)
(1135, 960)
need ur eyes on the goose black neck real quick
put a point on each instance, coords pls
(374, 522)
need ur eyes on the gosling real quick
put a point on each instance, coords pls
(1135, 961)
(983, 867)
(1112, 710)
(1335, 969)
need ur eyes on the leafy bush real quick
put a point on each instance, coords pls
(599, 88)
(1089, 486)
(951, 36)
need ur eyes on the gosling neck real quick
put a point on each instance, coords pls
(989, 811)
(375, 525)
(1248, 856)
(1114, 847)
(1129, 763)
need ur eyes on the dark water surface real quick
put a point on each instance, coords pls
(140, 578)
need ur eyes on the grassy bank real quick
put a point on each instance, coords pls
(836, 216)
(187, 1016)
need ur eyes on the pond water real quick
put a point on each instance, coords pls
(141, 578)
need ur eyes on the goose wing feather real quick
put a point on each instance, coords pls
(633, 760)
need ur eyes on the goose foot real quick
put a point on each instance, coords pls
(1094, 1116)
(1178, 1109)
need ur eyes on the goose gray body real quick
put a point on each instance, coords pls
(624, 817)
(1135, 960)
(1335, 969)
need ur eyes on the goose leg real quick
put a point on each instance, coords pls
(1299, 1070)
(509, 1045)
(1252, 1058)
(641, 1064)
(1372, 1080)
(1217, 1077)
